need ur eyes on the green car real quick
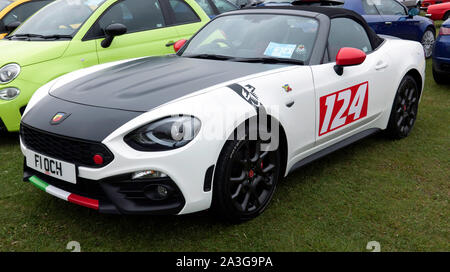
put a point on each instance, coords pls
(68, 35)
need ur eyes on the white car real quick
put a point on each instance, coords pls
(252, 96)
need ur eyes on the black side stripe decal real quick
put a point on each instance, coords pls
(247, 93)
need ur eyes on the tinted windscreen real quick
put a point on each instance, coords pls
(63, 17)
(258, 36)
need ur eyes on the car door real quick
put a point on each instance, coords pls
(147, 33)
(373, 16)
(185, 19)
(346, 104)
(397, 21)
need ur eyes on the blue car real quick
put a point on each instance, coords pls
(441, 55)
(387, 17)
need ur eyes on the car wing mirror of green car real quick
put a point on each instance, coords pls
(112, 31)
(12, 26)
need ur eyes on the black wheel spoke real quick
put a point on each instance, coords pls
(268, 168)
(400, 121)
(256, 181)
(244, 204)
(240, 178)
(238, 191)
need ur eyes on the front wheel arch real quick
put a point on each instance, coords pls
(282, 151)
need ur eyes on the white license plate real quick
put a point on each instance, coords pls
(51, 167)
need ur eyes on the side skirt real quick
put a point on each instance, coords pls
(332, 148)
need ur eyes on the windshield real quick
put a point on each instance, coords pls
(256, 36)
(4, 4)
(63, 17)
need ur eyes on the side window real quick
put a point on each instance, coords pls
(224, 6)
(369, 7)
(183, 12)
(345, 32)
(204, 4)
(136, 15)
(23, 11)
(389, 7)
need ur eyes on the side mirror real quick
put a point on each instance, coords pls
(112, 31)
(177, 45)
(12, 26)
(348, 56)
(413, 12)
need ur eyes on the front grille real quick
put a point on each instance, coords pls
(68, 149)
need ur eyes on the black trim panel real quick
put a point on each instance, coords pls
(208, 179)
(335, 147)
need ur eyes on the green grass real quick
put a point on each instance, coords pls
(393, 192)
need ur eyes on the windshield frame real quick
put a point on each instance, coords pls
(319, 44)
(102, 3)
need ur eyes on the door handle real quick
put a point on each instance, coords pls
(171, 43)
(381, 65)
(388, 23)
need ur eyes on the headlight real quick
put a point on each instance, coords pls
(9, 93)
(164, 134)
(9, 72)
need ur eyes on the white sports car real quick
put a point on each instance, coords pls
(252, 96)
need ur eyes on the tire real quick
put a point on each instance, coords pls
(446, 16)
(404, 109)
(428, 39)
(440, 78)
(245, 180)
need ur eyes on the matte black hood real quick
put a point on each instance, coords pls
(143, 84)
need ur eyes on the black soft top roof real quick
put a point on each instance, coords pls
(332, 12)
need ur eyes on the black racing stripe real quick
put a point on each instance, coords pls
(143, 84)
(247, 93)
(83, 122)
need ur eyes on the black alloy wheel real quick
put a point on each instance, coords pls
(245, 180)
(404, 109)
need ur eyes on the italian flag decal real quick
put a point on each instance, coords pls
(80, 200)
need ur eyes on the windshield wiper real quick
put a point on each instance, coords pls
(271, 60)
(57, 36)
(28, 35)
(45, 37)
(209, 56)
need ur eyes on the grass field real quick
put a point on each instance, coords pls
(393, 192)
